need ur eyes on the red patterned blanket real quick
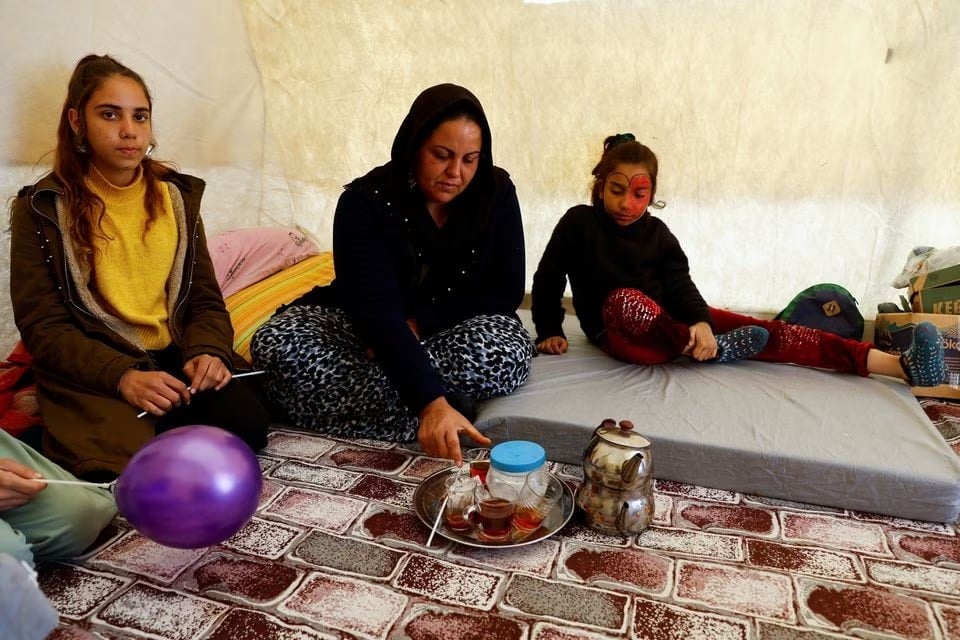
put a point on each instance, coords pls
(335, 552)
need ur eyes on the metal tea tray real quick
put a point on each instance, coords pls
(429, 495)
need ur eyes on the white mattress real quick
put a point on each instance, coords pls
(778, 431)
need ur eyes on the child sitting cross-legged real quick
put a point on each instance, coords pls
(634, 296)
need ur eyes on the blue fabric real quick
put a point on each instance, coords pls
(741, 343)
(924, 360)
(25, 613)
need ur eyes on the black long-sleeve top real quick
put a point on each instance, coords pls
(599, 256)
(393, 263)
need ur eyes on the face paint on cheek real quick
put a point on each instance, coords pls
(635, 205)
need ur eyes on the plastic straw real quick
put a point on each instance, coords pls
(239, 375)
(436, 523)
(102, 485)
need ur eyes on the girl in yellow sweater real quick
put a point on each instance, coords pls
(113, 290)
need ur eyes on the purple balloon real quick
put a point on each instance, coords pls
(190, 487)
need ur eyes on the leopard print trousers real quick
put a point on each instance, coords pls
(319, 375)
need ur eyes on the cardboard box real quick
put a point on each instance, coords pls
(893, 332)
(936, 291)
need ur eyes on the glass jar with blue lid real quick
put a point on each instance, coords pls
(512, 461)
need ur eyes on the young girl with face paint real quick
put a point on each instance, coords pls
(113, 289)
(635, 299)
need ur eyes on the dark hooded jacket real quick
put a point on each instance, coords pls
(80, 355)
(392, 262)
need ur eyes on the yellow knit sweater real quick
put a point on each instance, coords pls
(130, 266)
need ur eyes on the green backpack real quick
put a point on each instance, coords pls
(828, 307)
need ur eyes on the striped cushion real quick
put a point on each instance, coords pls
(252, 306)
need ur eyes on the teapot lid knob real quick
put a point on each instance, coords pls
(623, 434)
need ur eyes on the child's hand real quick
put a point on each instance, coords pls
(702, 345)
(554, 345)
(206, 372)
(155, 392)
(17, 484)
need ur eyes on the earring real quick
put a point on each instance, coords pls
(150, 148)
(411, 181)
(78, 141)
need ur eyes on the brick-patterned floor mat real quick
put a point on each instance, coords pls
(334, 551)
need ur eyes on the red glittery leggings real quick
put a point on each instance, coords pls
(641, 332)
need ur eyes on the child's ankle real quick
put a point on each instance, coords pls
(923, 362)
(741, 343)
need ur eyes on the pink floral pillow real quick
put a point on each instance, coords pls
(243, 257)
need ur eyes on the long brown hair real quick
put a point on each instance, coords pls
(71, 161)
(623, 148)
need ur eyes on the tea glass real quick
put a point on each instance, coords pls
(478, 462)
(459, 498)
(478, 469)
(492, 510)
(540, 494)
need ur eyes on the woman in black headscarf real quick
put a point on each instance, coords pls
(421, 319)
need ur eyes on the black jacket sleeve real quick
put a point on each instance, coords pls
(680, 295)
(371, 294)
(550, 282)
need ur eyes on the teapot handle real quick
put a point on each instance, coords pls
(621, 522)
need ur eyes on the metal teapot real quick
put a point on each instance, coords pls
(617, 490)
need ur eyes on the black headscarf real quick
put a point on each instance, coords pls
(469, 212)
(469, 223)
(432, 107)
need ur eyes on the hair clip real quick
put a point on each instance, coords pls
(616, 140)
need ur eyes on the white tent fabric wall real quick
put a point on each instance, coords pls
(799, 141)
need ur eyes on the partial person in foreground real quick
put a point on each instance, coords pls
(634, 296)
(40, 522)
(25, 612)
(113, 289)
(421, 321)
